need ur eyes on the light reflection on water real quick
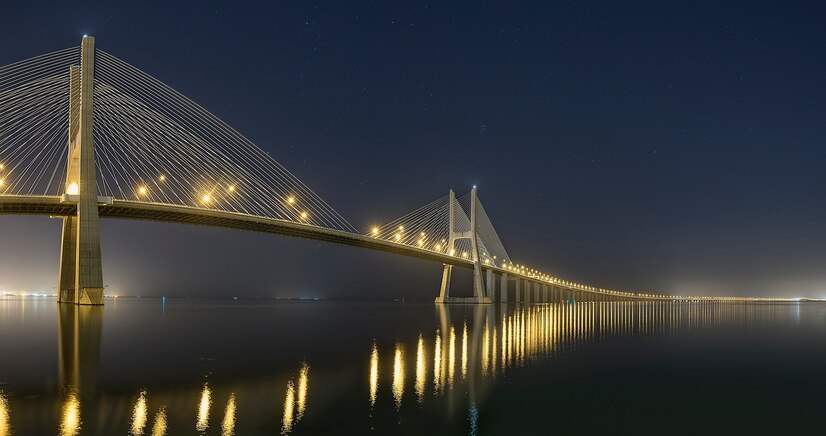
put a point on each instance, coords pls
(5, 425)
(482, 343)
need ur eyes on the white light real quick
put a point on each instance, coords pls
(73, 189)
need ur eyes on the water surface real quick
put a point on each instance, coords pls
(249, 367)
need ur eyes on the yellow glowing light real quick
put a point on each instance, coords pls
(464, 351)
(398, 236)
(73, 189)
(228, 426)
(206, 198)
(452, 252)
(398, 376)
(139, 415)
(401, 228)
(421, 234)
(303, 386)
(374, 374)
(438, 247)
(375, 231)
(203, 409)
(162, 178)
(420, 242)
(289, 408)
(464, 254)
(142, 190)
(1, 182)
(437, 362)
(159, 429)
(2, 166)
(5, 421)
(290, 200)
(451, 357)
(420, 370)
(70, 424)
(231, 188)
(304, 215)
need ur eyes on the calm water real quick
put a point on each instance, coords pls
(145, 366)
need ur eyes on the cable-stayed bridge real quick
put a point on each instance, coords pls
(85, 135)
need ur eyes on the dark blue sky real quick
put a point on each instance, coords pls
(673, 146)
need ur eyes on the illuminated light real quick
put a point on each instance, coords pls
(304, 215)
(228, 425)
(231, 188)
(206, 198)
(421, 234)
(2, 166)
(374, 374)
(375, 231)
(159, 428)
(290, 199)
(5, 420)
(420, 370)
(73, 189)
(1, 182)
(437, 362)
(289, 408)
(451, 357)
(303, 386)
(401, 228)
(70, 422)
(139, 415)
(420, 242)
(464, 254)
(464, 352)
(142, 190)
(452, 252)
(203, 409)
(398, 236)
(398, 376)
(438, 247)
(162, 178)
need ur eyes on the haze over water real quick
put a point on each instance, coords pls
(249, 367)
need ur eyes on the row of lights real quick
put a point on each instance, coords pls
(207, 198)
(375, 231)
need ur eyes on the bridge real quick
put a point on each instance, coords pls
(85, 135)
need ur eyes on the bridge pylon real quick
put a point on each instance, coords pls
(479, 291)
(80, 279)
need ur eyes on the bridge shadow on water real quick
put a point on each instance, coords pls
(214, 367)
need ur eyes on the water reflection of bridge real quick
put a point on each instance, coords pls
(453, 364)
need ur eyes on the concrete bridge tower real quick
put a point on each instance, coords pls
(80, 279)
(479, 293)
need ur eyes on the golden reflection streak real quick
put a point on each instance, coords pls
(303, 385)
(228, 426)
(398, 376)
(159, 429)
(289, 409)
(420, 370)
(203, 409)
(139, 415)
(485, 348)
(5, 420)
(451, 359)
(437, 363)
(70, 424)
(464, 351)
(374, 374)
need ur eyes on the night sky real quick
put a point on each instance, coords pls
(669, 146)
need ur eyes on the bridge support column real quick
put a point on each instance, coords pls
(479, 290)
(528, 288)
(80, 260)
(490, 284)
(546, 297)
(516, 289)
(503, 288)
